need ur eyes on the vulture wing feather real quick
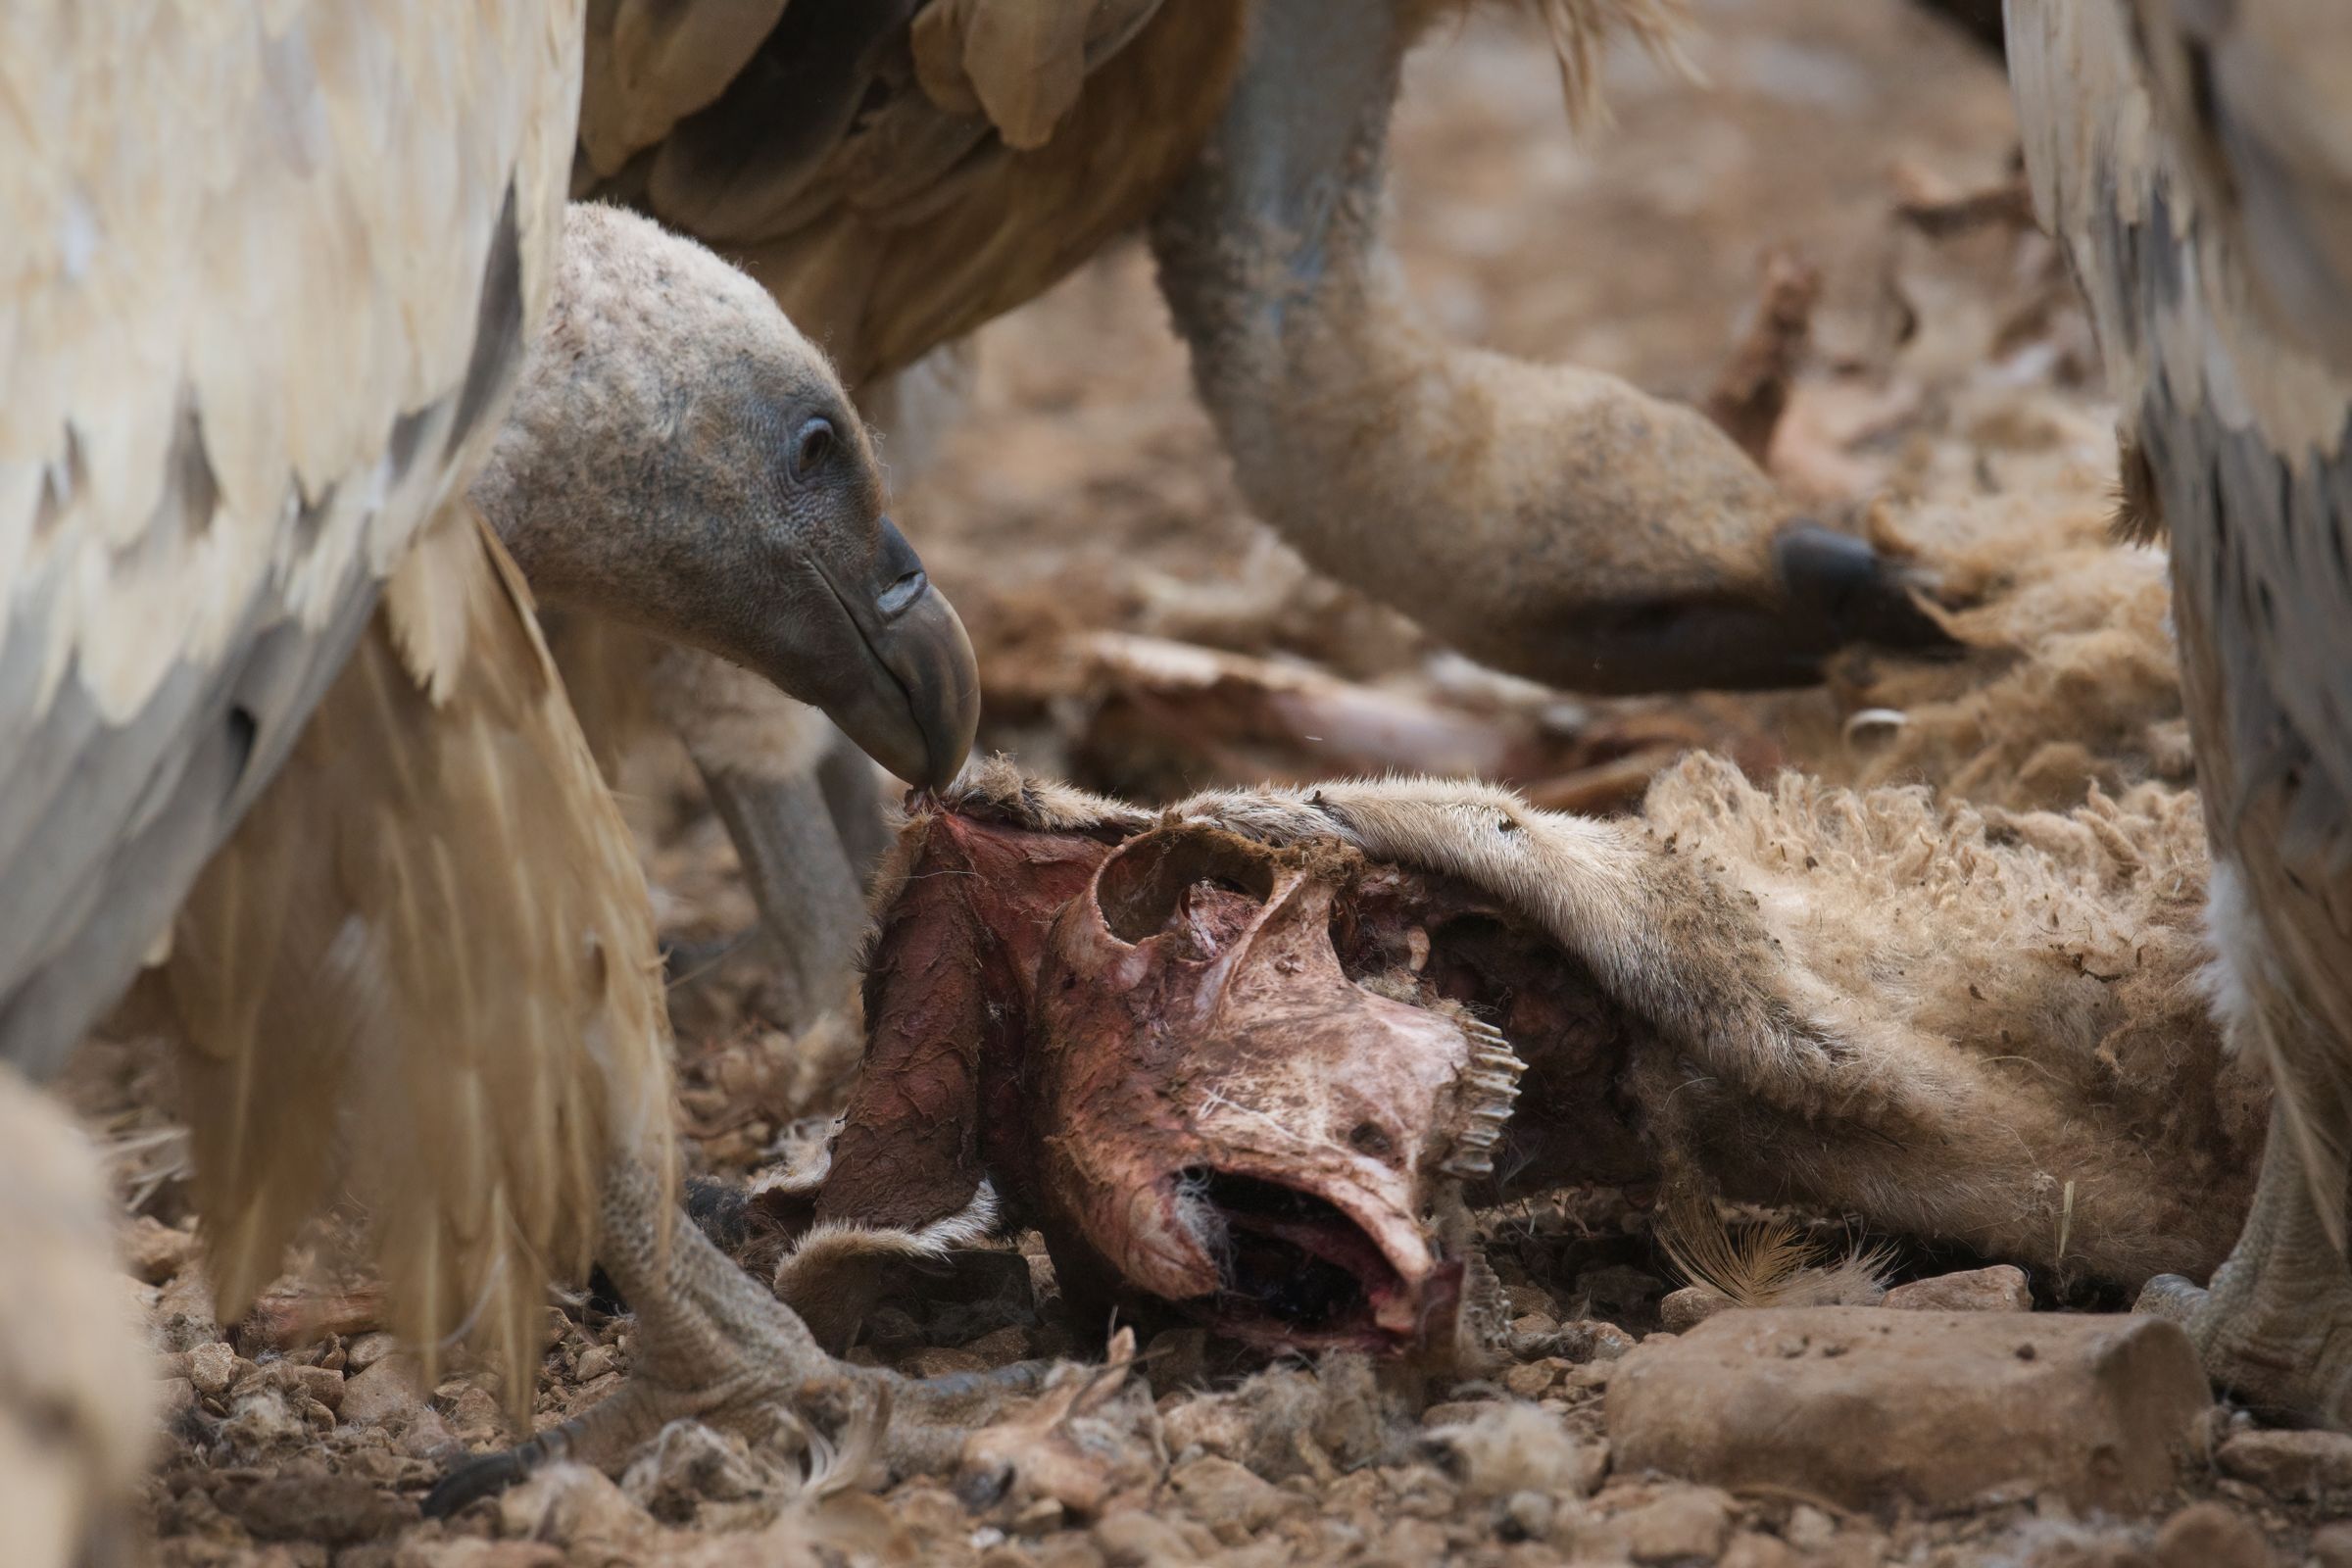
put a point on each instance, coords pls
(268, 271)
(425, 966)
(2196, 163)
(897, 173)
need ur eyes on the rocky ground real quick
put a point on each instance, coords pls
(1141, 634)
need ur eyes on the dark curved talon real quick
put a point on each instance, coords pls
(486, 1474)
(1854, 593)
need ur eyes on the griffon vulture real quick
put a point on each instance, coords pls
(273, 276)
(2195, 161)
(899, 172)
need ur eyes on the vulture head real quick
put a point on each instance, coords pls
(677, 456)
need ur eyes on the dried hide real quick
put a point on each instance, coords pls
(1253, 1059)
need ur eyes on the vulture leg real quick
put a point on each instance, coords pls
(2193, 162)
(714, 1345)
(763, 756)
(809, 898)
(1550, 520)
(854, 800)
(423, 969)
(2273, 1325)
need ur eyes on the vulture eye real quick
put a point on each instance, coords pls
(812, 447)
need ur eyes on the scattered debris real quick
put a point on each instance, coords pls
(1752, 391)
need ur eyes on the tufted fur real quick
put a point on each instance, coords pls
(1964, 1025)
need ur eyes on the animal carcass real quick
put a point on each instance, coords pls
(1253, 1060)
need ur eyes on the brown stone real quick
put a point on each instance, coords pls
(1138, 1539)
(321, 1384)
(1748, 1550)
(385, 1391)
(156, 1252)
(577, 1507)
(2206, 1535)
(1455, 1412)
(466, 1552)
(2291, 1465)
(1864, 1405)
(1528, 1382)
(1681, 1522)
(2331, 1546)
(1592, 1339)
(213, 1368)
(1691, 1306)
(312, 1505)
(1998, 1289)
(1231, 1501)
(366, 1350)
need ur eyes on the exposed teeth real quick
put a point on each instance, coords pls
(1490, 1086)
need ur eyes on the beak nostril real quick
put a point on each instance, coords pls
(905, 591)
(1368, 1139)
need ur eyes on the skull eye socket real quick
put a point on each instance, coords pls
(1159, 883)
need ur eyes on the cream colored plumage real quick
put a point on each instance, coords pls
(421, 969)
(267, 275)
(272, 274)
(269, 269)
(423, 966)
(2196, 162)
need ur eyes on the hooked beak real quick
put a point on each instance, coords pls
(913, 704)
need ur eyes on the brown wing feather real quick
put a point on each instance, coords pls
(2176, 183)
(426, 965)
(2252, 97)
(896, 179)
(268, 271)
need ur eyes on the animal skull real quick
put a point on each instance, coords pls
(1238, 1116)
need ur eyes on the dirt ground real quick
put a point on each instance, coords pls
(1140, 633)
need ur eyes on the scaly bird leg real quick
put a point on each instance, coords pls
(811, 901)
(761, 758)
(854, 794)
(714, 1345)
(2275, 1327)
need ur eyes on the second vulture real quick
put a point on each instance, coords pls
(2196, 162)
(899, 173)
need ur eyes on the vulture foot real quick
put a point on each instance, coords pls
(1835, 591)
(714, 1345)
(2275, 1327)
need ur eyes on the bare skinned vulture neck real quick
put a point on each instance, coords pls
(679, 457)
(1550, 520)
